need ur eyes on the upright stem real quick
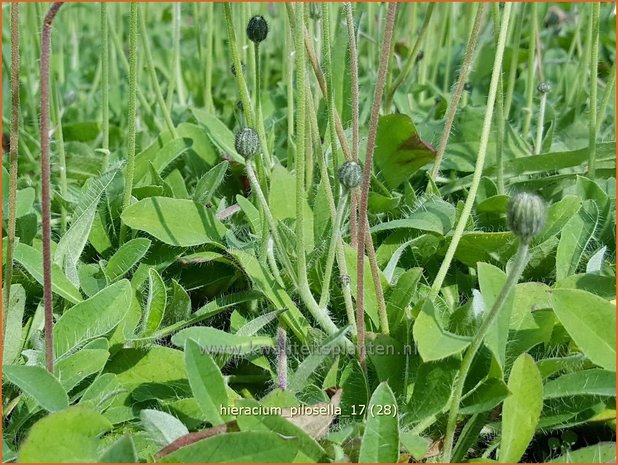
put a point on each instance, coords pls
(377, 283)
(105, 84)
(240, 75)
(151, 71)
(45, 184)
(330, 94)
(480, 159)
(209, 49)
(13, 153)
(411, 58)
(373, 126)
(500, 116)
(514, 61)
(592, 119)
(355, 109)
(530, 87)
(62, 164)
(609, 87)
(259, 117)
(518, 266)
(539, 130)
(330, 257)
(132, 116)
(459, 88)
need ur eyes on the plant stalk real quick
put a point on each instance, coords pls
(459, 88)
(594, 63)
(363, 221)
(132, 110)
(14, 160)
(45, 184)
(104, 85)
(480, 159)
(520, 261)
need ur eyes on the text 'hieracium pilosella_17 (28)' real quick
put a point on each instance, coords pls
(309, 232)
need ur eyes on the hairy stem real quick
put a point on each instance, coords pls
(592, 119)
(104, 86)
(210, 14)
(45, 184)
(514, 61)
(539, 129)
(500, 116)
(480, 159)
(14, 155)
(153, 73)
(519, 264)
(609, 87)
(241, 82)
(132, 112)
(530, 87)
(377, 282)
(373, 127)
(330, 257)
(411, 58)
(355, 117)
(459, 88)
(330, 93)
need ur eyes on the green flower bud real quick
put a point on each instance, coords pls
(526, 215)
(544, 87)
(247, 142)
(350, 175)
(257, 29)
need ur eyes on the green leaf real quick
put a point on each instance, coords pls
(92, 318)
(72, 243)
(126, 257)
(209, 183)
(13, 339)
(282, 202)
(558, 214)
(179, 305)
(218, 133)
(32, 260)
(434, 215)
(591, 322)
(603, 452)
(433, 341)
(121, 451)
(215, 341)
(262, 279)
(594, 382)
(176, 222)
(162, 427)
(39, 384)
(400, 152)
(67, 436)
(155, 303)
(245, 446)
(380, 443)
(206, 382)
(575, 238)
(73, 369)
(415, 444)
(484, 397)
(159, 156)
(491, 281)
(371, 298)
(475, 247)
(521, 410)
(355, 390)
(435, 378)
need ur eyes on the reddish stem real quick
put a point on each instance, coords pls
(371, 141)
(45, 182)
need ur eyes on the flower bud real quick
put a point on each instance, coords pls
(247, 142)
(350, 175)
(544, 87)
(257, 29)
(526, 215)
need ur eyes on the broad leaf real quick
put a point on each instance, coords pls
(38, 383)
(380, 443)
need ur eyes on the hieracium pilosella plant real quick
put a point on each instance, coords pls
(309, 232)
